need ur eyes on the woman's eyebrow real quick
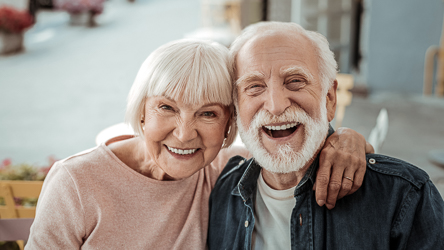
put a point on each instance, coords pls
(212, 104)
(250, 77)
(295, 70)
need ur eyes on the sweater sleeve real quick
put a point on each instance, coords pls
(59, 221)
(420, 222)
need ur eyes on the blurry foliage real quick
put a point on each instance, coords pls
(25, 172)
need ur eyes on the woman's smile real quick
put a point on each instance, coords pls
(183, 154)
(182, 151)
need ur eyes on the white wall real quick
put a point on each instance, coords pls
(18, 4)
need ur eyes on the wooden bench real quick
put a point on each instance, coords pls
(11, 215)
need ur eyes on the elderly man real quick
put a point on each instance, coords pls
(286, 97)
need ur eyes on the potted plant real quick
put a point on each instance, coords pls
(81, 12)
(12, 25)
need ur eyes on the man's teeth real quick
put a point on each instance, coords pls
(282, 127)
(181, 151)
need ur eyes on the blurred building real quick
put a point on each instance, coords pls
(382, 43)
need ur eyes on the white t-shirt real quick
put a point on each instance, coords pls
(272, 212)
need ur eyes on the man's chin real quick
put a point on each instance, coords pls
(282, 162)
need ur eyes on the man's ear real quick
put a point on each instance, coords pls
(331, 101)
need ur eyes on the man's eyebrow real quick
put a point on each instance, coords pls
(295, 70)
(250, 77)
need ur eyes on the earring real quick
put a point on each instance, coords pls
(228, 132)
(223, 143)
(142, 120)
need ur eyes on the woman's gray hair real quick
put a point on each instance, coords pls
(326, 59)
(196, 71)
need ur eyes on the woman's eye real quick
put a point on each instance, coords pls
(166, 107)
(209, 114)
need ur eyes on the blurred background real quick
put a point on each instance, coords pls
(66, 67)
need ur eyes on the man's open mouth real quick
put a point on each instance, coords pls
(282, 130)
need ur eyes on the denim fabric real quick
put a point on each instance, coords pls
(397, 207)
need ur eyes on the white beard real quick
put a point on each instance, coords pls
(285, 160)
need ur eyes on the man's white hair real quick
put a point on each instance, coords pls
(326, 60)
(196, 71)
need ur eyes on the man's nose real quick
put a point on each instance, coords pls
(277, 100)
(185, 130)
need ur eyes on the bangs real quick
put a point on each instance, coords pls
(195, 78)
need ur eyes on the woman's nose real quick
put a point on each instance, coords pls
(185, 130)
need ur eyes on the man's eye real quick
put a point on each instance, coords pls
(254, 89)
(295, 84)
(254, 86)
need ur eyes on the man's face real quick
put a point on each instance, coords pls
(283, 110)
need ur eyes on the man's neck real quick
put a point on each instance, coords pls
(280, 181)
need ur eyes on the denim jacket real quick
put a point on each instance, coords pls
(397, 207)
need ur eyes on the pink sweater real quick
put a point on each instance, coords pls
(92, 200)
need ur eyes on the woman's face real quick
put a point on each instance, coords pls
(181, 139)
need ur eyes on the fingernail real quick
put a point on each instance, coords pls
(321, 203)
(329, 206)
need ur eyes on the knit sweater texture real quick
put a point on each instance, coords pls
(92, 200)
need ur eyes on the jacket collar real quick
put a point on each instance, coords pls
(247, 185)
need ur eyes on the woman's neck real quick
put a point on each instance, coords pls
(134, 154)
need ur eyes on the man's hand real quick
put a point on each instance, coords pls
(342, 166)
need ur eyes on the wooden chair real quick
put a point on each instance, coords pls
(10, 214)
(343, 96)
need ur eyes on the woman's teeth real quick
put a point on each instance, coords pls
(282, 127)
(181, 151)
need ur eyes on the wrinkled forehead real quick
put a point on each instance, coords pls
(278, 51)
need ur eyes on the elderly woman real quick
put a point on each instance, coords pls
(151, 190)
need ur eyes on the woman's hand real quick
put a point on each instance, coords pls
(342, 166)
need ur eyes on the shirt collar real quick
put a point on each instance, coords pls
(247, 185)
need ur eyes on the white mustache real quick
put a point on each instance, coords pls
(291, 114)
